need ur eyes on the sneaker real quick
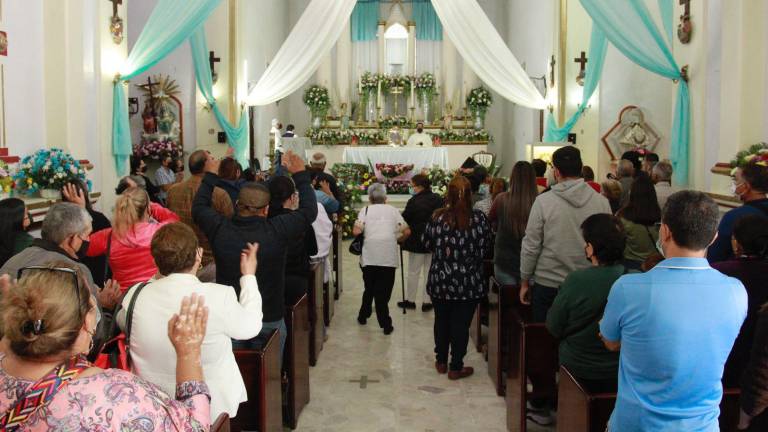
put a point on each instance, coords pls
(426, 307)
(441, 367)
(542, 418)
(389, 330)
(402, 304)
(361, 320)
(465, 372)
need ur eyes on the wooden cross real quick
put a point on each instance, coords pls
(687, 4)
(212, 59)
(552, 63)
(363, 381)
(115, 3)
(582, 60)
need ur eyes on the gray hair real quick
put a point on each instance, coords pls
(64, 220)
(626, 168)
(318, 160)
(377, 193)
(663, 171)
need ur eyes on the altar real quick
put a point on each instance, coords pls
(417, 156)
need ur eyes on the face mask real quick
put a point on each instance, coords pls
(734, 187)
(83, 251)
(411, 190)
(659, 248)
(419, 130)
(484, 189)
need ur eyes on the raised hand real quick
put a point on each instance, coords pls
(292, 162)
(326, 187)
(186, 330)
(109, 296)
(248, 262)
(73, 194)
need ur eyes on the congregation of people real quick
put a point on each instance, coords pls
(650, 293)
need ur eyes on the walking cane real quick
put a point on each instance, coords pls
(402, 278)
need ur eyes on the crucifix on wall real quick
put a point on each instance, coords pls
(212, 60)
(582, 61)
(685, 28)
(116, 23)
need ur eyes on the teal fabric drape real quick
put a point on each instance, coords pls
(237, 136)
(667, 10)
(171, 23)
(629, 27)
(593, 72)
(428, 25)
(365, 21)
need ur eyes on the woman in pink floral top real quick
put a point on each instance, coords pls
(49, 321)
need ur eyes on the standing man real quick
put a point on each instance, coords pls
(420, 138)
(675, 326)
(662, 181)
(289, 132)
(165, 177)
(318, 164)
(626, 173)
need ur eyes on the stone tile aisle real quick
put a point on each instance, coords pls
(409, 394)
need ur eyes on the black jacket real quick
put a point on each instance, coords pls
(299, 249)
(418, 212)
(228, 238)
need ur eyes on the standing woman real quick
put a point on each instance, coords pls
(640, 218)
(383, 227)
(14, 221)
(509, 214)
(75, 191)
(459, 237)
(229, 177)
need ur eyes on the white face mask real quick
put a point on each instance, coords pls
(734, 187)
(659, 248)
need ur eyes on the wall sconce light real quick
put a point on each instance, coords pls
(116, 26)
(133, 106)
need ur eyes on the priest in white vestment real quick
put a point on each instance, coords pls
(420, 138)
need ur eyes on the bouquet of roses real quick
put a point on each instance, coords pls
(479, 100)
(391, 171)
(426, 86)
(439, 179)
(369, 138)
(317, 99)
(757, 153)
(153, 149)
(394, 121)
(398, 81)
(369, 81)
(47, 169)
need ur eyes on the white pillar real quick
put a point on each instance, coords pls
(449, 72)
(343, 67)
(411, 48)
(382, 47)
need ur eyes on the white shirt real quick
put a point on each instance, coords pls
(152, 355)
(422, 138)
(663, 192)
(383, 224)
(323, 228)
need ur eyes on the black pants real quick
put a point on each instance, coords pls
(542, 298)
(452, 320)
(378, 287)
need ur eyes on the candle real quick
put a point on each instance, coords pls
(360, 85)
(378, 95)
(413, 95)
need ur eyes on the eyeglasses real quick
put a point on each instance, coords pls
(70, 271)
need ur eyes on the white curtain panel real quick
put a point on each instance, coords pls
(484, 50)
(365, 58)
(312, 37)
(428, 56)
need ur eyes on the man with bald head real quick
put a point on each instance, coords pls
(228, 237)
(180, 198)
(318, 164)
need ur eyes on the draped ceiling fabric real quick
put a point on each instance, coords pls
(237, 136)
(629, 27)
(171, 23)
(312, 37)
(592, 74)
(485, 52)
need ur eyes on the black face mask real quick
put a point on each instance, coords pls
(143, 169)
(419, 130)
(83, 251)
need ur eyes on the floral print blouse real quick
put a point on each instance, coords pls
(457, 258)
(113, 400)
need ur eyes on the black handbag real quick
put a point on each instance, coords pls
(356, 247)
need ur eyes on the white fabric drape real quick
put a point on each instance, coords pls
(428, 56)
(365, 58)
(311, 39)
(397, 56)
(484, 50)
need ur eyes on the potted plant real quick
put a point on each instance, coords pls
(47, 171)
(317, 100)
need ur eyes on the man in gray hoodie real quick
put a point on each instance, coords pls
(553, 246)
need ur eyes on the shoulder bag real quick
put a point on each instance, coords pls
(115, 354)
(356, 247)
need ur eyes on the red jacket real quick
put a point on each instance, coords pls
(130, 258)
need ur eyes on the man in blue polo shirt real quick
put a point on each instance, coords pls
(675, 326)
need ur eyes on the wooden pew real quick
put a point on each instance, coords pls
(481, 312)
(578, 409)
(337, 259)
(534, 351)
(315, 297)
(501, 301)
(261, 373)
(729, 409)
(328, 303)
(296, 360)
(221, 424)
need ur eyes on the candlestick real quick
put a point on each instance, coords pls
(413, 95)
(378, 94)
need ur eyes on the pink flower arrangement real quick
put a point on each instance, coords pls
(152, 149)
(393, 170)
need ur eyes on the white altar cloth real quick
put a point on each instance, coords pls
(420, 157)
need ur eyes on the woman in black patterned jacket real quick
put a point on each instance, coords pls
(459, 238)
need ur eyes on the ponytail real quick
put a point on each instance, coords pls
(130, 208)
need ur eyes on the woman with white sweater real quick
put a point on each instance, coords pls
(177, 255)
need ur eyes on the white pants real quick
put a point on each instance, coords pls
(418, 264)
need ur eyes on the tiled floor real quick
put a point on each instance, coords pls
(408, 395)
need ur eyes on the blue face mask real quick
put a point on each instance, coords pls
(483, 189)
(411, 190)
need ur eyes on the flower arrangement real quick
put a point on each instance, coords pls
(468, 135)
(439, 179)
(6, 179)
(395, 121)
(479, 100)
(369, 81)
(331, 137)
(402, 81)
(353, 181)
(757, 153)
(47, 169)
(391, 171)
(369, 138)
(153, 149)
(317, 99)
(426, 86)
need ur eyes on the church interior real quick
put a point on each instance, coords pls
(379, 97)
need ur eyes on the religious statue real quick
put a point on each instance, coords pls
(166, 120)
(395, 138)
(630, 132)
(344, 116)
(161, 122)
(448, 117)
(148, 117)
(634, 137)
